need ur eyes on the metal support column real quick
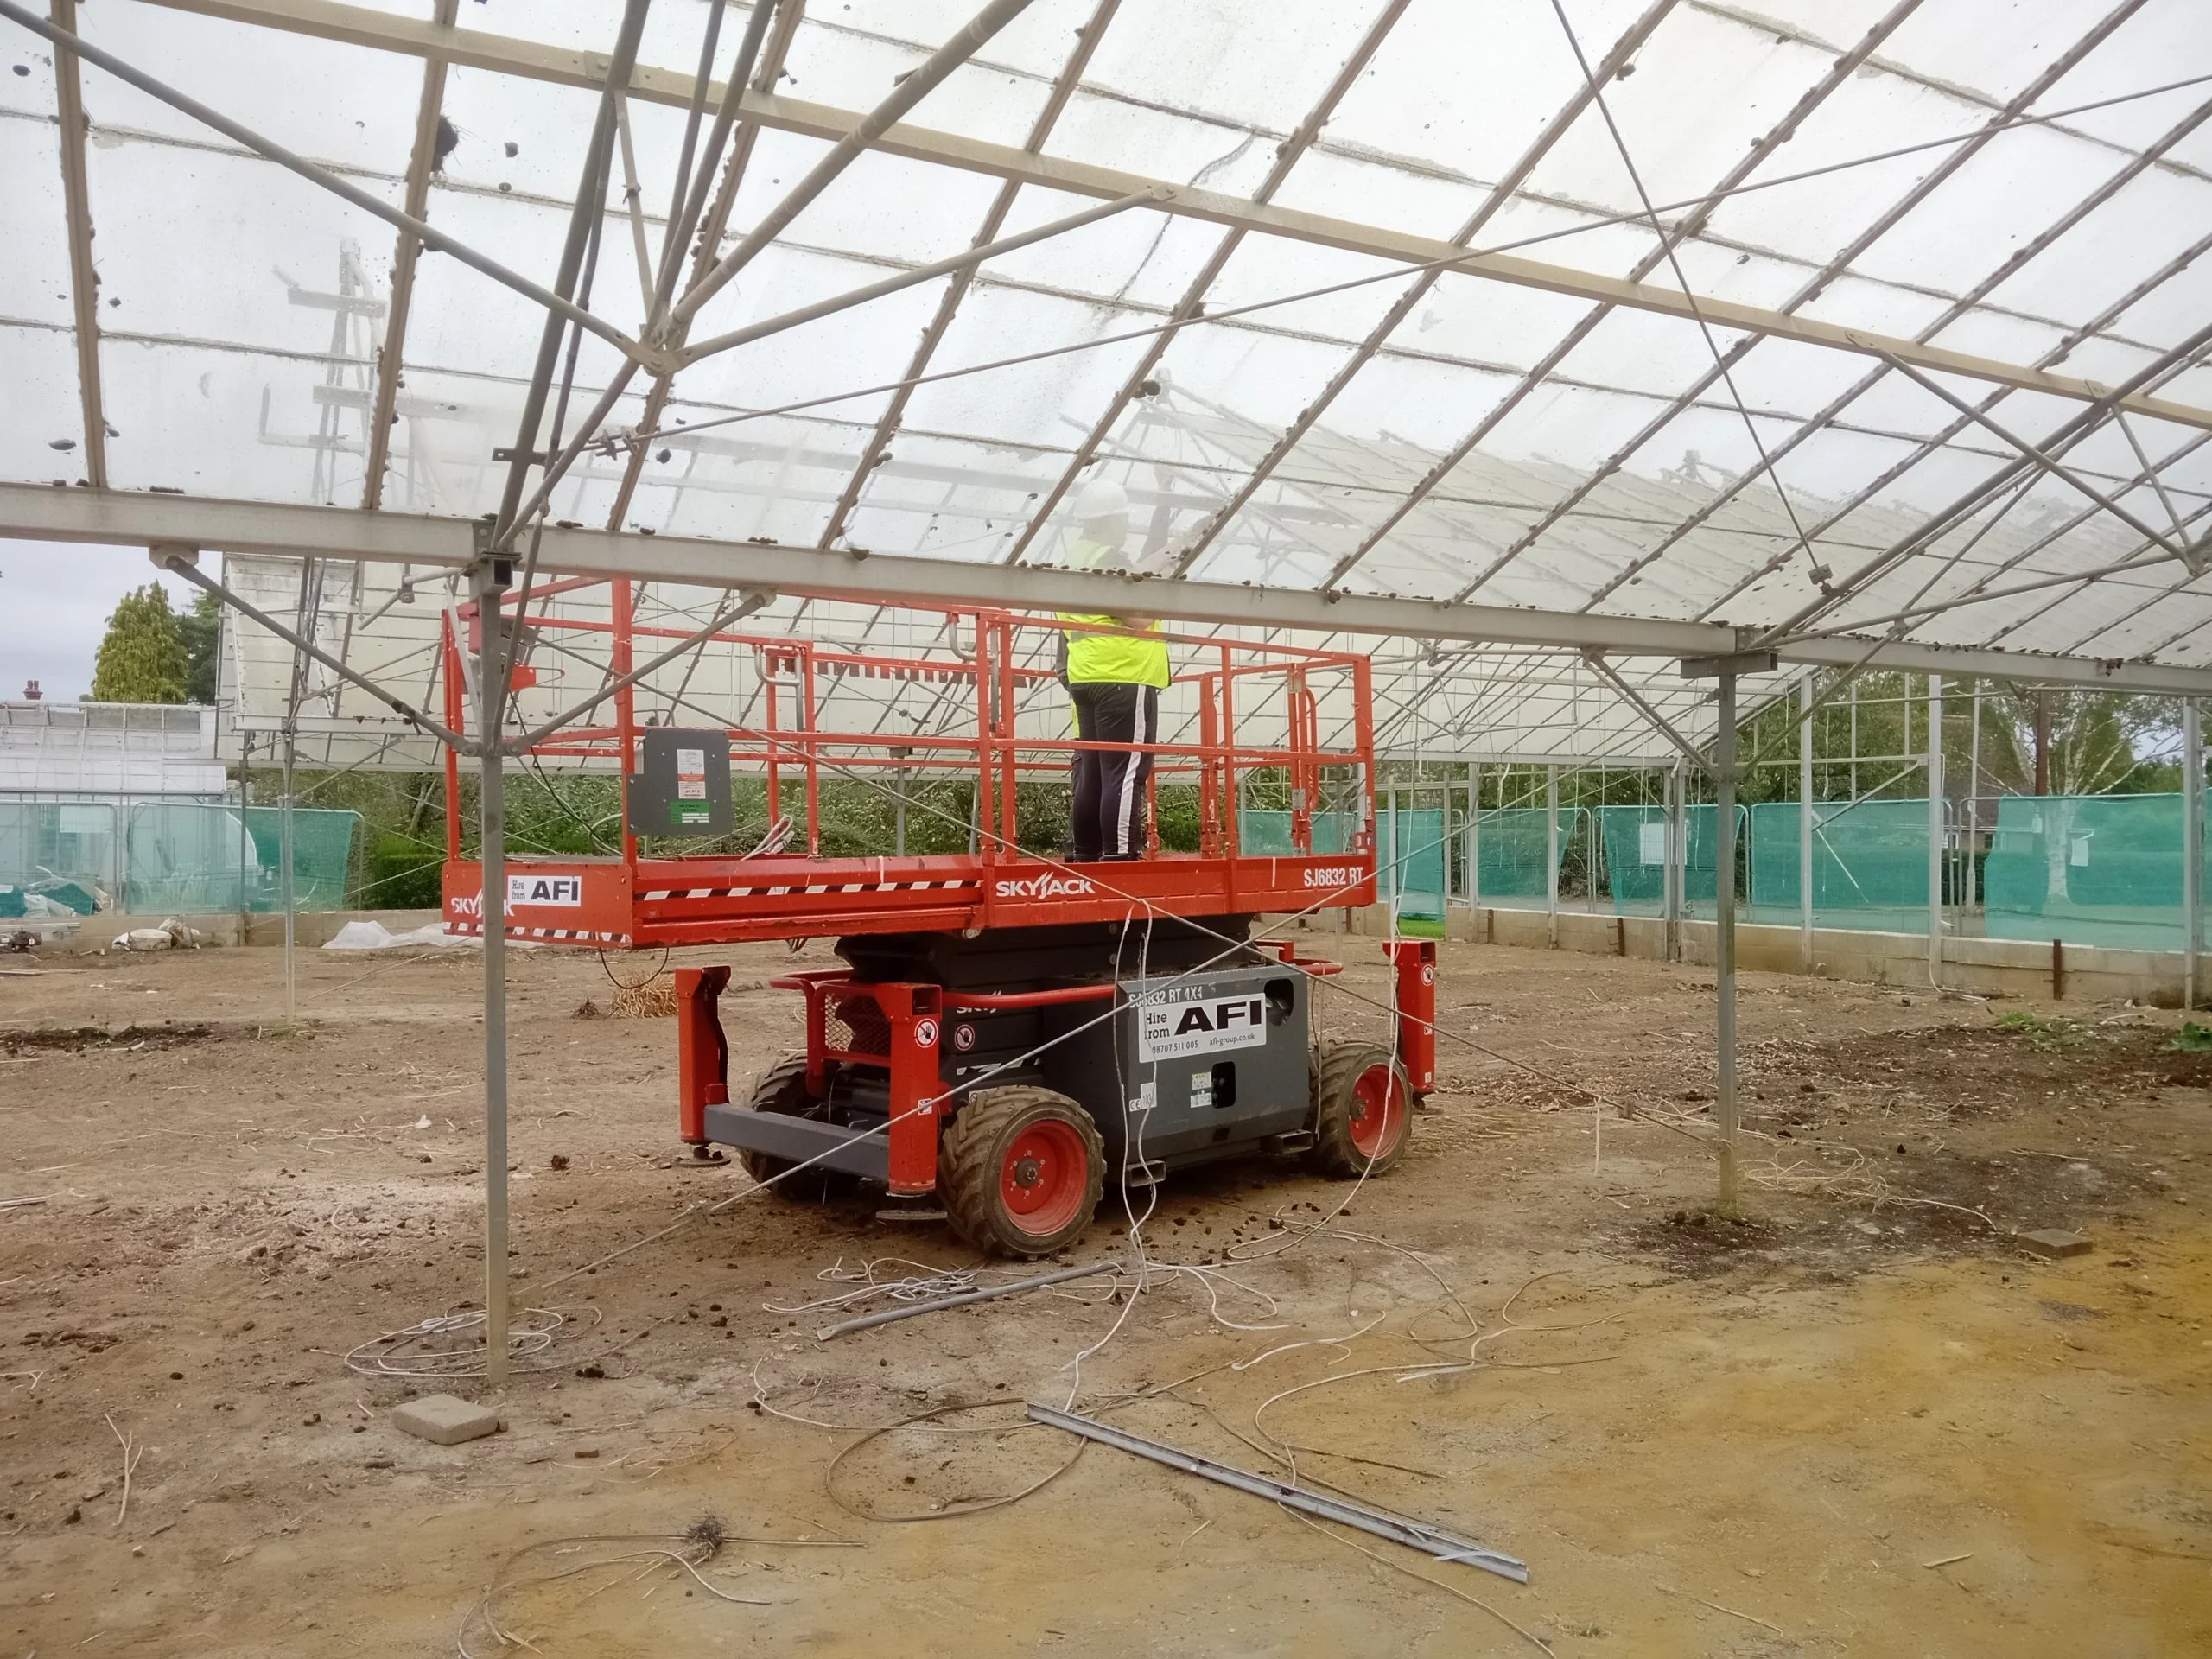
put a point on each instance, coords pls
(1936, 830)
(1724, 937)
(1551, 856)
(1675, 857)
(291, 896)
(1393, 868)
(1474, 835)
(2192, 846)
(245, 837)
(1805, 827)
(1969, 893)
(488, 581)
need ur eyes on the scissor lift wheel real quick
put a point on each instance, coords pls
(1361, 1100)
(783, 1089)
(1020, 1170)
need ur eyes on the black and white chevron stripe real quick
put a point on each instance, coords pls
(817, 888)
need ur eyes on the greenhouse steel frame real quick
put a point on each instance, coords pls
(1539, 568)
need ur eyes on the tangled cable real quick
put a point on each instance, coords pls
(930, 1282)
(688, 1551)
(452, 1345)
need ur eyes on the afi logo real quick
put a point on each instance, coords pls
(565, 891)
(1047, 887)
(1223, 1016)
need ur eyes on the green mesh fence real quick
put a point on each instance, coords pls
(1263, 832)
(1512, 851)
(67, 847)
(1870, 865)
(2088, 869)
(1411, 860)
(1635, 839)
(223, 858)
(1636, 865)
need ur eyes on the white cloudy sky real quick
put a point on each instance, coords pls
(55, 599)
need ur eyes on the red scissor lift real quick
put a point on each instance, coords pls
(1005, 1034)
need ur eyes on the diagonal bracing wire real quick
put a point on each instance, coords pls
(1961, 510)
(1674, 263)
(758, 62)
(873, 452)
(1551, 360)
(1958, 309)
(1499, 195)
(1193, 301)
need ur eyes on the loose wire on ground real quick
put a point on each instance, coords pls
(924, 1419)
(452, 1345)
(689, 1550)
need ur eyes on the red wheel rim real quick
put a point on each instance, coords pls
(1378, 1112)
(1043, 1177)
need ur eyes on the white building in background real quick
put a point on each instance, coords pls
(72, 776)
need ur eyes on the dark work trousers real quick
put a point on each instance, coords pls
(1109, 818)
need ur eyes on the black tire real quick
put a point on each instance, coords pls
(782, 1088)
(1345, 1136)
(1020, 1139)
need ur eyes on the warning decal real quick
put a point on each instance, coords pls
(1171, 1030)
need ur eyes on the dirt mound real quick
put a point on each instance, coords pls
(1989, 1069)
(71, 1039)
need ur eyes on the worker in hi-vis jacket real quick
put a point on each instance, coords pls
(1115, 681)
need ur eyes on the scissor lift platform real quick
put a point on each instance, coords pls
(727, 900)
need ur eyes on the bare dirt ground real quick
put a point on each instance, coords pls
(1861, 1420)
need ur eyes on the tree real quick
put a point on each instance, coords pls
(142, 658)
(201, 628)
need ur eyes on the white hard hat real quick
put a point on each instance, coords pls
(1100, 499)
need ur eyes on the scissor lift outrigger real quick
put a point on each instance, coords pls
(1010, 1030)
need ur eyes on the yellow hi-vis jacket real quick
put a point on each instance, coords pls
(1111, 659)
(1114, 659)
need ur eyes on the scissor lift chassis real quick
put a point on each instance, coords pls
(993, 1027)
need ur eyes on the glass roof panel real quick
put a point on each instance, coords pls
(246, 308)
(34, 276)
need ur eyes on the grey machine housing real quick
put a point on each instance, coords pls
(1189, 1068)
(681, 784)
(1202, 1054)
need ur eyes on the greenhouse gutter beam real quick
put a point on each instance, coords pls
(956, 292)
(84, 277)
(266, 529)
(403, 262)
(565, 67)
